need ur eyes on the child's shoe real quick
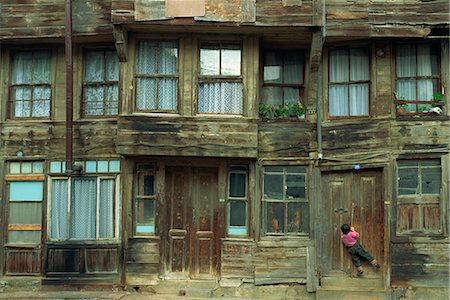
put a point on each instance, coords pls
(376, 266)
(360, 274)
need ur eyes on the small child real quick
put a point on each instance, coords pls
(356, 251)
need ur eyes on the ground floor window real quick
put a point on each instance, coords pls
(82, 208)
(419, 209)
(144, 201)
(285, 203)
(237, 200)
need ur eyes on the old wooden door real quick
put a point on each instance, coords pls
(354, 198)
(194, 229)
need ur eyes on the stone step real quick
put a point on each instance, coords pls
(325, 294)
(196, 292)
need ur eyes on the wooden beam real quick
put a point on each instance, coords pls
(24, 177)
(315, 60)
(121, 37)
(23, 227)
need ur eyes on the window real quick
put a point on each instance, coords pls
(348, 83)
(30, 85)
(84, 207)
(285, 203)
(157, 76)
(237, 200)
(101, 83)
(220, 81)
(418, 196)
(417, 75)
(25, 194)
(144, 202)
(283, 77)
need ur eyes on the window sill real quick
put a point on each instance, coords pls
(72, 243)
(284, 241)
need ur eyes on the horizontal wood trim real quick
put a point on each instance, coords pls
(23, 227)
(24, 177)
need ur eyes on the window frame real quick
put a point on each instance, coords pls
(350, 82)
(70, 180)
(399, 100)
(220, 78)
(144, 169)
(300, 86)
(244, 200)
(285, 201)
(157, 76)
(11, 86)
(420, 201)
(106, 84)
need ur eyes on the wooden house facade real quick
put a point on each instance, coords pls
(225, 141)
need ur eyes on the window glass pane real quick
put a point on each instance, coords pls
(291, 95)
(295, 186)
(431, 180)
(91, 166)
(27, 167)
(359, 99)
(273, 95)
(273, 67)
(94, 66)
(298, 217)
(274, 169)
(112, 66)
(359, 64)
(83, 209)
(114, 166)
(147, 54)
(58, 210)
(231, 61)
(339, 66)
(106, 209)
(41, 66)
(22, 66)
(146, 93)
(225, 97)
(275, 217)
(24, 236)
(238, 212)
(14, 168)
(293, 68)
(55, 167)
(408, 181)
(38, 167)
(210, 61)
(338, 95)
(25, 213)
(26, 190)
(167, 93)
(145, 216)
(273, 186)
(237, 185)
(406, 61)
(168, 58)
(295, 170)
(148, 185)
(425, 163)
(102, 166)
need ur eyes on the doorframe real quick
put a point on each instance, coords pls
(386, 169)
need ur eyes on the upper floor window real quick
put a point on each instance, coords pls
(283, 77)
(348, 82)
(417, 75)
(30, 85)
(285, 201)
(157, 76)
(101, 83)
(419, 209)
(220, 79)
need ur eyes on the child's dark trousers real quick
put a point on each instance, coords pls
(357, 252)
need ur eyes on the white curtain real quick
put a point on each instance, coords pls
(83, 209)
(220, 97)
(157, 92)
(32, 68)
(106, 208)
(347, 97)
(58, 212)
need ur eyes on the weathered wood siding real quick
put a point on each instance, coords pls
(187, 137)
(142, 261)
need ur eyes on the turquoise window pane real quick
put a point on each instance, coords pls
(38, 167)
(26, 167)
(102, 166)
(237, 231)
(14, 168)
(55, 167)
(145, 229)
(63, 167)
(114, 166)
(26, 190)
(91, 166)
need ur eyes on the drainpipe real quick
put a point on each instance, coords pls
(69, 87)
(318, 96)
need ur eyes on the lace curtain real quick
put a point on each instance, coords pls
(58, 212)
(31, 88)
(348, 96)
(157, 83)
(101, 90)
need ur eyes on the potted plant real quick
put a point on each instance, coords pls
(289, 110)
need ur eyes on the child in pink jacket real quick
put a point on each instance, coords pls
(350, 239)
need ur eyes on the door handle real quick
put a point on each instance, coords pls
(341, 210)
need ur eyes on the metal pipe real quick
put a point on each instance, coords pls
(69, 87)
